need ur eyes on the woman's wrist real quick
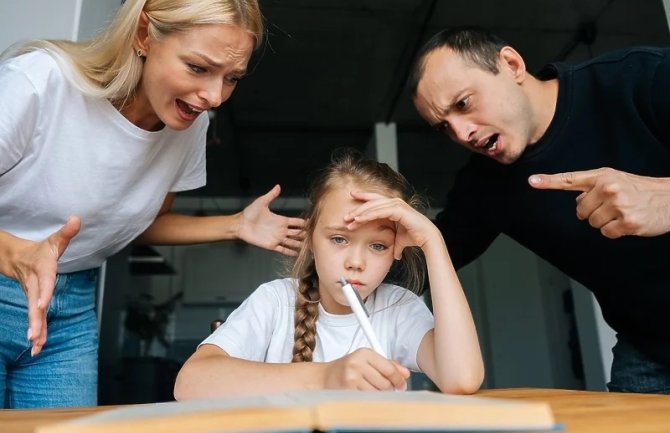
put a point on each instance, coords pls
(10, 247)
(235, 226)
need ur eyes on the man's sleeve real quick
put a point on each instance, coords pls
(660, 98)
(465, 222)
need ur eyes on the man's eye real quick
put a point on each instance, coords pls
(197, 69)
(463, 103)
(379, 247)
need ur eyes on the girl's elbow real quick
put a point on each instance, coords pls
(463, 384)
(180, 390)
(183, 386)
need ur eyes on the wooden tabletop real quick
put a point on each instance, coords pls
(578, 411)
(596, 412)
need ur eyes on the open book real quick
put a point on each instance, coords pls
(325, 411)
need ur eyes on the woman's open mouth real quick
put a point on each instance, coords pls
(187, 112)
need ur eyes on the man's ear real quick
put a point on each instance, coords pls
(512, 62)
(141, 41)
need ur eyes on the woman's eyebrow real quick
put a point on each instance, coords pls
(208, 59)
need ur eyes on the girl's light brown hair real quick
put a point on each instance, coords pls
(347, 168)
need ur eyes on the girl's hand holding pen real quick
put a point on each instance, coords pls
(364, 369)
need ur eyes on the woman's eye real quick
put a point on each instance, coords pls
(197, 69)
(379, 247)
(233, 80)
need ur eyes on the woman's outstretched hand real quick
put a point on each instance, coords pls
(35, 269)
(261, 227)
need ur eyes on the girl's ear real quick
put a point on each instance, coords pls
(142, 39)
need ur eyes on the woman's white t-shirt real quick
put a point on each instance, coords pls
(63, 153)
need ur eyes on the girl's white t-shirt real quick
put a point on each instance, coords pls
(63, 153)
(262, 328)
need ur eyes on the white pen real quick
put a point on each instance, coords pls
(356, 304)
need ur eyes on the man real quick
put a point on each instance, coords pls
(604, 127)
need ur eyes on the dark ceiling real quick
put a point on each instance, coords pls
(331, 69)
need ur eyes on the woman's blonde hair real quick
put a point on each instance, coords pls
(107, 65)
(347, 168)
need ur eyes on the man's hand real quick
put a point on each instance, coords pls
(615, 202)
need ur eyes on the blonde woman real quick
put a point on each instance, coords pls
(95, 140)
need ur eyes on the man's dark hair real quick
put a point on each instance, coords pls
(474, 44)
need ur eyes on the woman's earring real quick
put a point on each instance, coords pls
(140, 53)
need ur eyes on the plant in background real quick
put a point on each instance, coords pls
(149, 321)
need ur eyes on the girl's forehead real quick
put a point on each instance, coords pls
(338, 203)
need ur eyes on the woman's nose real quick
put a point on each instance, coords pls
(216, 93)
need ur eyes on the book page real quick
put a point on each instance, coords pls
(320, 396)
(305, 411)
(423, 410)
(244, 414)
(174, 408)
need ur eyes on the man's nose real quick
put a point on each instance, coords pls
(461, 130)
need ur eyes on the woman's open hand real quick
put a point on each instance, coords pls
(261, 227)
(35, 267)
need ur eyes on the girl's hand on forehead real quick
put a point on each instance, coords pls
(412, 227)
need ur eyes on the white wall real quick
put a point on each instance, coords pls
(596, 338)
(95, 14)
(52, 19)
(31, 19)
(517, 302)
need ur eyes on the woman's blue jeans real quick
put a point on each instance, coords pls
(633, 371)
(65, 372)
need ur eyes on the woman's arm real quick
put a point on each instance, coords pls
(256, 225)
(211, 372)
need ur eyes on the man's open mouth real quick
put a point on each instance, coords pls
(491, 143)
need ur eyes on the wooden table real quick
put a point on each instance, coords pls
(598, 412)
(579, 411)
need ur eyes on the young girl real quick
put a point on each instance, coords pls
(359, 221)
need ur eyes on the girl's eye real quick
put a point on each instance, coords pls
(338, 240)
(197, 69)
(379, 247)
